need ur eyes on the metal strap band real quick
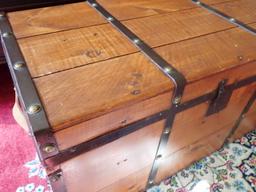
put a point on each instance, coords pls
(226, 17)
(71, 152)
(26, 90)
(242, 115)
(57, 181)
(172, 73)
(176, 77)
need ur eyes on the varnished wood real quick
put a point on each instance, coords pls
(58, 18)
(65, 51)
(92, 80)
(82, 132)
(126, 166)
(228, 49)
(247, 124)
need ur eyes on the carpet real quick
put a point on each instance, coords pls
(20, 169)
(231, 169)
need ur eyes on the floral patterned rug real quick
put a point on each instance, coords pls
(231, 169)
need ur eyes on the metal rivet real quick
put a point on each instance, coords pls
(49, 148)
(136, 92)
(34, 109)
(166, 132)
(240, 58)
(243, 116)
(7, 34)
(94, 5)
(18, 65)
(136, 41)
(160, 114)
(167, 70)
(151, 182)
(232, 20)
(110, 19)
(159, 156)
(198, 2)
(177, 100)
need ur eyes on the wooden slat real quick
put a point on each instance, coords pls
(58, 18)
(130, 156)
(105, 123)
(79, 94)
(51, 53)
(137, 181)
(52, 19)
(83, 87)
(236, 9)
(65, 50)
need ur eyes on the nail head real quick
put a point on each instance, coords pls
(18, 65)
(34, 109)
(49, 148)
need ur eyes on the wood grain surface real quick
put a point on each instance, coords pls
(129, 158)
(92, 80)
(97, 126)
(105, 72)
(58, 18)
(65, 50)
(114, 78)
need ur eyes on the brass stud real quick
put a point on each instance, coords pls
(34, 109)
(49, 148)
(18, 65)
(177, 100)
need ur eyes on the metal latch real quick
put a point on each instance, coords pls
(221, 99)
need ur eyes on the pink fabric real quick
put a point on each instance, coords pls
(19, 170)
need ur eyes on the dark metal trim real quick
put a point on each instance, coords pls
(121, 132)
(167, 69)
(57, 181)
(221, 99)
(172, 73)
(242, 115)
(17, 5)
(104, 139)
(225, 17)
(26, 90)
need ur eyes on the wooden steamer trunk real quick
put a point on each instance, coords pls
(121, 94)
